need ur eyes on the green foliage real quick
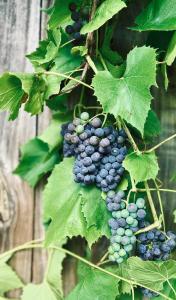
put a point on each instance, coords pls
(104, 12)
(39, 291)
(65, 198)
(151, 274)
(141, 166)
(125, 97)
(39, 155)
(95, 285)
(8, 279)
(152, 127)
(158, 15)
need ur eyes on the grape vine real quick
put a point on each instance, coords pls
(99, 151)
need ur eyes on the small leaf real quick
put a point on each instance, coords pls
(104, 12)
(95, 285)
(171, 51)
(151, 274)
(158, 15)
(125, 97)
(47, 49)
(142, 167)
(8, 279)
(152, 127)
(39, 291)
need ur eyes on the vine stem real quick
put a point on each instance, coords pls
(161, 143)
(153, 189)
(148, 228)
(31, 245)
(91, 64)
(161, 205)
(67, 77)
(153, 210)
(103, 258)
(134, 145)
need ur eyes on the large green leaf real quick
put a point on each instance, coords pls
(142, 167)
(171, 51)
(64, 202)
(158, 15)
(151, 274)
(129, 96)
(60, 14)
(39, 291)
(8, 279)
(95, 285)
(47, 49)
(103, 13)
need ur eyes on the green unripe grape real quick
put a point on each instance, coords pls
(134, 215)
(79, 129)
(118, 214)
(130, 220)
(111, 194)
(135, 223)
(84, 116)
(114, 214)
(120, 231)
(125, 240)
(128, 232)
(116, 255)
(111, 258)
(111, 250)
(133, 239)
(116, 247)
(140, 202)
(128, 248)
(122, 205)
(119, 260)
(124, 213)
(118, 239)
(122, 252)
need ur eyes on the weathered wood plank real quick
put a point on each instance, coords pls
(19, 33)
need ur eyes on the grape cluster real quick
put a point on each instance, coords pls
(99, 152)
(80, 17)
(124, 223)
(155, 245)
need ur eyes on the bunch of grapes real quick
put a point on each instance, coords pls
(99, 152)
(124, 223)
(80, 17)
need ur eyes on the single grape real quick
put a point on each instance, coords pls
(80, 129)
(69, 29)
(140, 202)
(84, 116)
(96, 122)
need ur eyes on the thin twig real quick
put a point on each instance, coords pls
(161, 143)
(161, 205)
(153, 210)
(134, 145)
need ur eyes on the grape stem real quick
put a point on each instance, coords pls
(102, 61)
(153, 189)
(153, 210)
(67, 77)
(103, 262)
(160, 144)
(91, 64)
(103, 258)
(132, 141)
(156, 224)
(161, 205)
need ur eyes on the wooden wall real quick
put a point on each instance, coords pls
(21, 27)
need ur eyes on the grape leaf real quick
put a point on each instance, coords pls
(95, 284)
(171, 51)
(125, 97)
(8, 279)
(142, 167)
(54, 276)
(39, 155)
(152, 127)
(151, 274)
(39, 291)
(63, 206)
(104, 12)
(158, 15)
(47, 49)
(60, 14)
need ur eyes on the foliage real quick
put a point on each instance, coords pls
(71, 77)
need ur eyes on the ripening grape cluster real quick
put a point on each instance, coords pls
(80, 18)
(124, 223)
(99, 151)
